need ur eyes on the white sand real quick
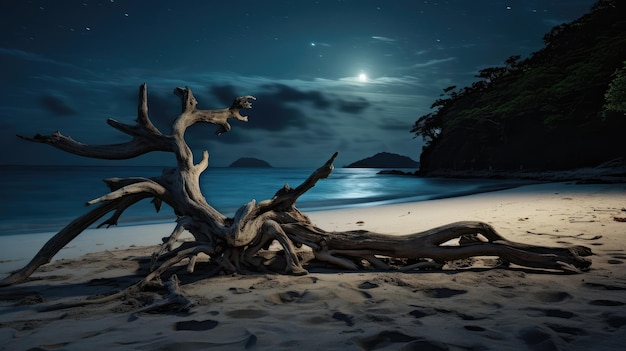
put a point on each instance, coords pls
(467, 308)
(18, 250)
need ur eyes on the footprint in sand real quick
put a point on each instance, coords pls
(385, 339)
(474, 328)
(284, 297)
(463, 316)
(553, 312)
(368, 285)
(379, 318)
(604, 286)
(423, 312)
(247, 313)
(606, 303)
(552, 296)
(344, 318)
(564, 329)
(614, 320)
(194, 325)
(365, 294)
(238, 291)
(539, 338)
(442, 293)
(306, 280)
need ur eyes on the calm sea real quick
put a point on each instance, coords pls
(45, 199)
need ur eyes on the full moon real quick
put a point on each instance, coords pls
(362, 77)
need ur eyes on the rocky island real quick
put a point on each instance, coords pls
(250, 162)
(385, 160)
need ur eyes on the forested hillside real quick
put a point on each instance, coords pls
(561, 108)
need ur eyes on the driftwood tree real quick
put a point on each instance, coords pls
(233, 244)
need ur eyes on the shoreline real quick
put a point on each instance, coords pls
(613, 171)
(470, 304)
(304, 206)
(17, 249)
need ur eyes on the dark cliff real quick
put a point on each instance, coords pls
(551, 111)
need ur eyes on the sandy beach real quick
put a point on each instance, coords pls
(469, 305)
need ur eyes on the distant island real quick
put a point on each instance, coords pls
(385, 160)
(250, 162)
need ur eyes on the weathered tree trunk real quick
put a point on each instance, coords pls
(233, 243)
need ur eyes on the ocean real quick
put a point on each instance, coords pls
(37, 199)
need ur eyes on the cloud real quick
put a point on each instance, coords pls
(273, 114)
(316, 91)
(433, 62)
(281, 106)
(290, 114)
(201, 134)
(224, 93)
(384, 39)
(284, 116)
(290, 94)
(25, 55)
(353, 107)
(32, 57)
(398, 83)
(317, 43)
(162, 108)
(395, 125)
(56, 105)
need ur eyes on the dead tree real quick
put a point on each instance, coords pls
(233, 244)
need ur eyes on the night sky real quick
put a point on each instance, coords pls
(347, 76)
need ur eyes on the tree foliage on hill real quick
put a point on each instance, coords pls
(548, 111)
(616, 94)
